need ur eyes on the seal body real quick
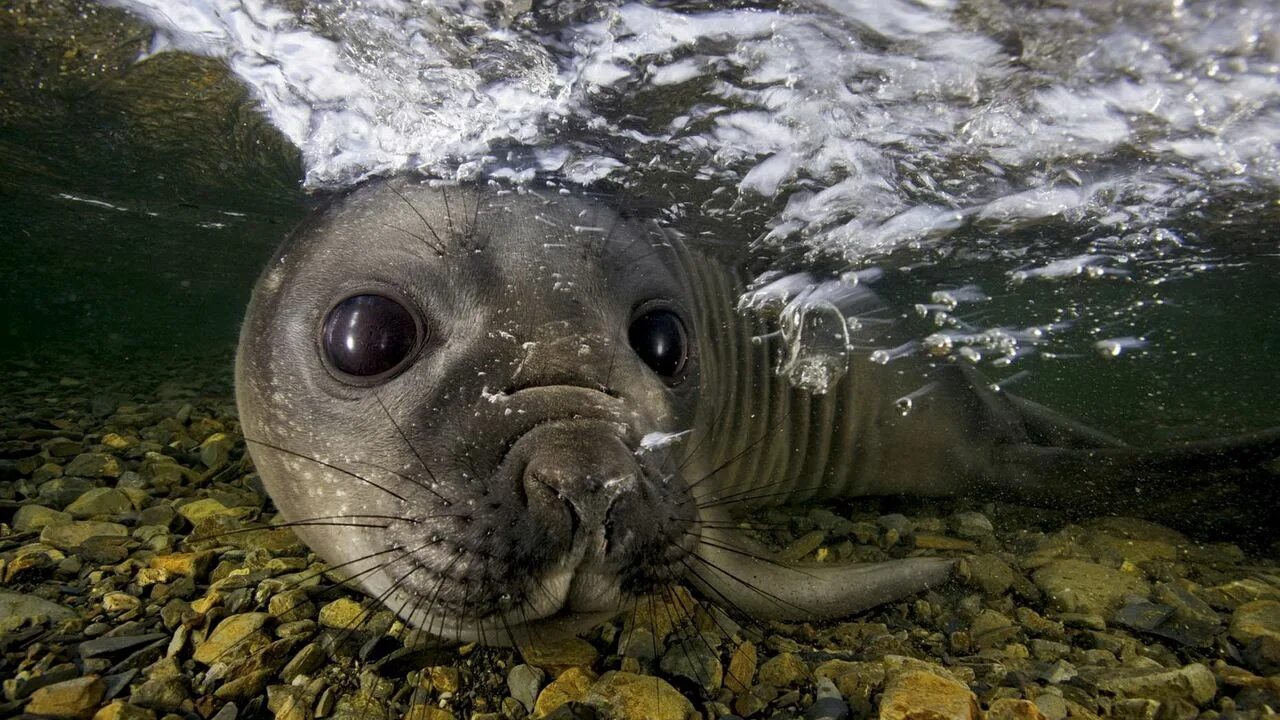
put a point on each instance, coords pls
(507, 413)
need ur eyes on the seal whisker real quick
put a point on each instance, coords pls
(442, 244)
(319, 573)
(299, 523)
(423, 463)
(699, 605)
(749, 585)
(746, 497)
(747, 553)
(378, 602)
(415, 236)
(328, 465)
(682, 637)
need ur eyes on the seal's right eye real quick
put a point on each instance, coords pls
(369, 336)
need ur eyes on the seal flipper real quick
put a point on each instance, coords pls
(728, 568)
(1053, 474)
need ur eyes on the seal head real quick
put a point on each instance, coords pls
(459, 400)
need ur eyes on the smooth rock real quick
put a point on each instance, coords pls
(35, 517)
(569, 686)
(17, 609)
(1010, 709)
(555, 655)
(93, 465)
(923, 695)
(77, 698)
(1255, 619)
(1194, 682)
(121, 710)
(74, 534)
(100, 501)
(627, 696)
(827, 708)
(742, 668)
(1076, 586)
(235, 638)
(524, 682)
(342, 614)
(783, 670)
(695, 660)
(990, 574)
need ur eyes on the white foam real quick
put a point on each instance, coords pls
(870, 123)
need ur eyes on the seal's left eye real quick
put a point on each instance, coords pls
(660, 339)
(369, 336)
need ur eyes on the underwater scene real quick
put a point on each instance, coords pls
(835, 359)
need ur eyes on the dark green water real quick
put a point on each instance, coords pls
(139, 201)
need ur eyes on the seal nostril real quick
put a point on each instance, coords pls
(545, 500)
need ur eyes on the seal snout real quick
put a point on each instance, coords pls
(576, 471)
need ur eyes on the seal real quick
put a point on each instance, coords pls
(503, 413)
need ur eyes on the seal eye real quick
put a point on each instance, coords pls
(660, 339)
(368, 336)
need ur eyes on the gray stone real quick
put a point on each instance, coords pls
(694, 659)
(971, 524)
(109, 645)
(1194, 682)
(93, 465)
(827, 708)
(17, 609)
(1083, 587)
(36, 517)
(100, 501)
(72, 535)
(524, 682)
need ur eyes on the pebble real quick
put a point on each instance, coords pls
(920, 694)
(1194, 682)
(78, 698)
(18, 609)
(184, 564)
(1256, 619)
(971, 524)
(200, 510)
(1011, 709)
(742, 667)
(93, 465)
(627, 696)
(342, 614)
(1076, 586)
(99, 501)
(35, 517)
(70, 536)
(524, 682)
(235, 638)
(121, 710)
(783, 670)
(111, 645)
(569, 686)
(695, 660)
(802, 546)
(557, 654)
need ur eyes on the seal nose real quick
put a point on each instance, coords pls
(582, 474)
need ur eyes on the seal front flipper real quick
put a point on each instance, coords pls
(731, 570)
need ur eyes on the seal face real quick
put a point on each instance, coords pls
(450, 394)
